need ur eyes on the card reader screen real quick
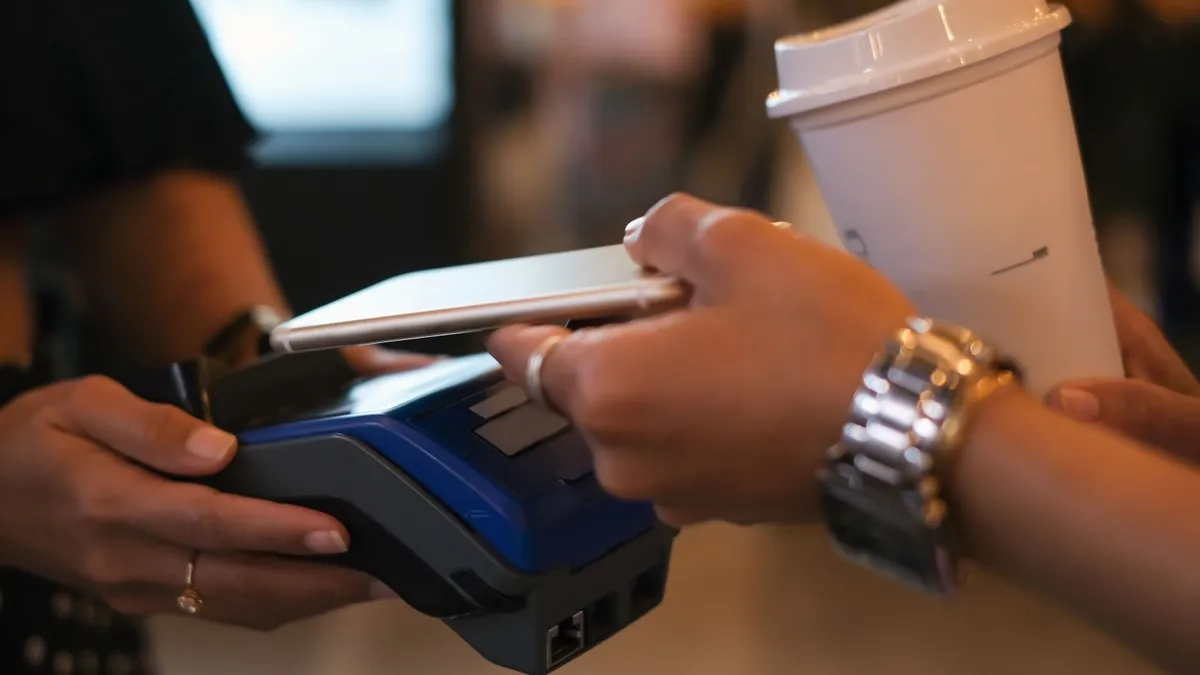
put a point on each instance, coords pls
(514, 422)
(522, 428)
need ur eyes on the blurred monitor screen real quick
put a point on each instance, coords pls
(337, 79)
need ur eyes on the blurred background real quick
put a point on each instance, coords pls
(407, 134)
(403, 134)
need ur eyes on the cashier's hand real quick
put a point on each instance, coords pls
(80, 503)
(1159, 403)
(722, 410)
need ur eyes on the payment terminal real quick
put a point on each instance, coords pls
(476, 505)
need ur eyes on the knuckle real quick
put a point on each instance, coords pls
(45, 424)
(603, 403)
(664, 218)
(96, 506)
(668, 206)
(719, 233)
(32, 405)
(724, 227)
(91, 388)
(617, 480)
(156, 424)
(198, 521)
(103, 571)
(1140, 404)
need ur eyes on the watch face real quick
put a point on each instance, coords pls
(886, 533)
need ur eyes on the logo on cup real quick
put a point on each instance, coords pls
(856, 244)
(1040, 254)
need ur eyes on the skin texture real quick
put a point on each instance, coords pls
(168, 262)
(76, 507)
(16, 340)
(636, 392)
(171, 260)
(1160, 402)
(723, 411)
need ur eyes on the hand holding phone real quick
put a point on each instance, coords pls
(583, 285)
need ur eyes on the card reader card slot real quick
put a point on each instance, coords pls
(521, 428)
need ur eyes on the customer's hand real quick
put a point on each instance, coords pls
(1160, 402)
(375, 360)
(722, 410)
(77, 506)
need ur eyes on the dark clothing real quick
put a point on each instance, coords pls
(98, 92)
(93, 94)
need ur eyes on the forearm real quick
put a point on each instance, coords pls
(16, 315)
(1100, 524)
(170, 261)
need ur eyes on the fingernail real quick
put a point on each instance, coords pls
(381, 591)
(326, 542)
(1079, 404)
(210, 443)
(634, 229)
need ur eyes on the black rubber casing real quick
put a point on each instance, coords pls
(404, 537)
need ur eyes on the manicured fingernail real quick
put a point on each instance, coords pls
(1079, 404)
(326, 542)
(634, 229)
(210, 444)
(381, 591)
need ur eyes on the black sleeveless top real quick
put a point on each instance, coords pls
(99, 92)
(92, 94)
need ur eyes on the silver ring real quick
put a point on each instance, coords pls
(533, 369)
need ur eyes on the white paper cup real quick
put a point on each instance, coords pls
(942, 140)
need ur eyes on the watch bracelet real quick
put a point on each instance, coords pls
(882, 484)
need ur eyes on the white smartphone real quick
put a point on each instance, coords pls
(594, 283)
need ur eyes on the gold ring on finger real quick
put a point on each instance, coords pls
(189, 601)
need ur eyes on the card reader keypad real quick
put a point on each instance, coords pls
(514, 422)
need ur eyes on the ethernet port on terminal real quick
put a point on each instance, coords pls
(565, 640)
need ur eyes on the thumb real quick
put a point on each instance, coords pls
(1143, 411)
(159, 436)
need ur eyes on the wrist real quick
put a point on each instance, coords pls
(986, 398)
(991, 418)
(884, 490)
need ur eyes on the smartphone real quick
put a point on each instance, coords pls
(595, 283)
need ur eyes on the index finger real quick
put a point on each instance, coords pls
(705, 245)
(199, 517)
(1141, 410)
(514, 346)
(157, 435)
(614, 365)
(1147, 353)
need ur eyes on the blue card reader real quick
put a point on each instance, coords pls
(473, 503)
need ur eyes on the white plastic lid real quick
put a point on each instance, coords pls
(909, 41)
